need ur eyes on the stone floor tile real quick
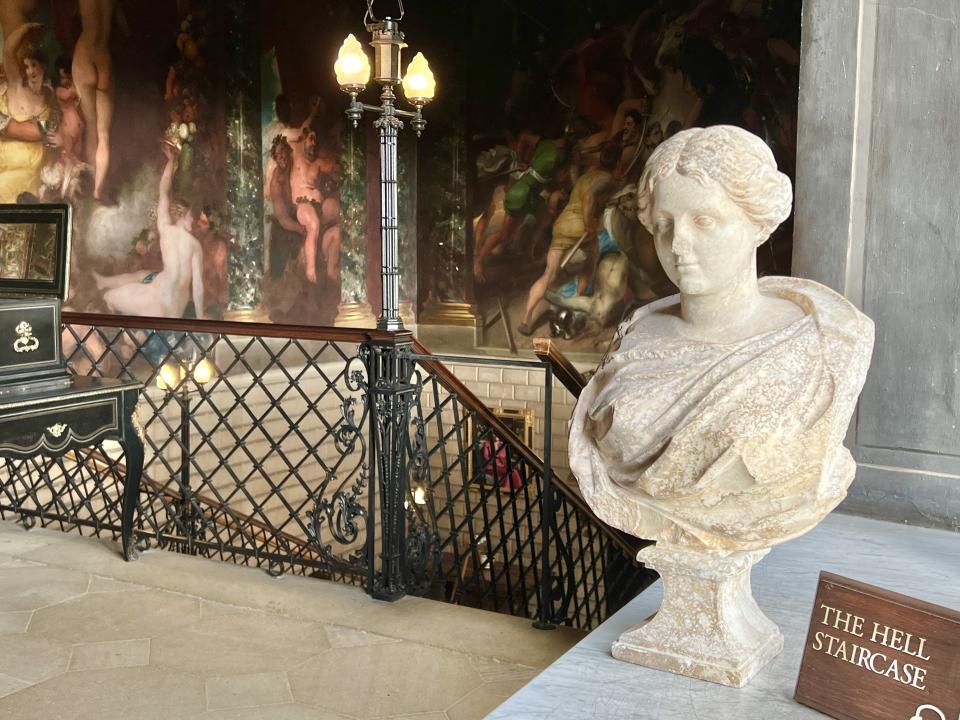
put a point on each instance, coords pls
(29, 588)
(98, 617)
(477, 704)
(351, 637)
(100, 584)
(244, 691)
(215, 581)
(111, 654)
(261, 627)
(142, 693)
(32, 659)
(90, 554)
(274, 712)
(388, 679)
(425, 621)
(346, 656)
(494, 669)
(14, 540)
(209, 655)
(10, 685)
(14, 622)
(464, 630)
(11, 561)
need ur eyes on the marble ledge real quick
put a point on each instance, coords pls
(586, 683)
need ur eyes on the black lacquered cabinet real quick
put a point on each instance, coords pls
(53, 421)
(44, 410)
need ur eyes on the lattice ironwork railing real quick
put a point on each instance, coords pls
(79, 492)
(256, 450)
(486, 502)
(262, 449)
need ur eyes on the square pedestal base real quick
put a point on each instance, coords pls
(725, 671)
(709, 626)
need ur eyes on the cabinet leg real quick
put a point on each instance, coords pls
(133, 451)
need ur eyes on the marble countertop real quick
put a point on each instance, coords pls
(586, 683)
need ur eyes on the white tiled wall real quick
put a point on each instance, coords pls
(524, 388)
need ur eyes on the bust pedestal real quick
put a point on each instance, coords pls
(708, 626)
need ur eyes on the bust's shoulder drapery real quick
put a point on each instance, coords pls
(733, 445)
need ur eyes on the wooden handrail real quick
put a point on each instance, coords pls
(563, 369)
(231, 327)
(454, 385)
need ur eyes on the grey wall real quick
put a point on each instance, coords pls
(878, 219)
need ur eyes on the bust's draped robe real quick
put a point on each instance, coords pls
(732, 446)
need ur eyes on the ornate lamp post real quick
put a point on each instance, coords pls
(390, 389)
(353, 73)
(174, 379)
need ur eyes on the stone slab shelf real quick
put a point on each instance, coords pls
(587, 683)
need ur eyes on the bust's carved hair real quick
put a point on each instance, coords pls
(739, 161)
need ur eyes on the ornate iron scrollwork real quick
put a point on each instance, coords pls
(343, 513)
(392, 391)
(563, 588)
(423, 537)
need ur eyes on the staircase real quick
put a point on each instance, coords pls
(277, 456)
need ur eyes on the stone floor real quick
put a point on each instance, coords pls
(85, 635)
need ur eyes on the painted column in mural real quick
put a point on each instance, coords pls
(446, 281)
(354, 309)
(407, 210)
(445, 229)
(244, 171)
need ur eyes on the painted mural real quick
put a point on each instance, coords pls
(203, 147)
(199, 143)
(560, 127)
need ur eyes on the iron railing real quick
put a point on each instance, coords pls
(511, 537)
(293, 450)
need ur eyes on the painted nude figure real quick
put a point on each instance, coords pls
(286, 234)
(165, 293)
(14, 13)
(313, 187)
(70, 132)
(279, 190)
(93, 77)
(27, 104)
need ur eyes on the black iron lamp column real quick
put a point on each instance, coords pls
(391, 389)
(174, 379)
(353, 73)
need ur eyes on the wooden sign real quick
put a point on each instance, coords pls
(872, 654)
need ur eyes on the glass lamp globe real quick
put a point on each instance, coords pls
(204, 371)
(352, 66)
(419, 84)
(169, 376)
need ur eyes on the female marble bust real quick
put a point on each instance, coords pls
(715, 425)
(717, 422)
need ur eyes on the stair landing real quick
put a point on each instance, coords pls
(84, 634)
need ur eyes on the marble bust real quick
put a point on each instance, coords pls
(715, 424)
